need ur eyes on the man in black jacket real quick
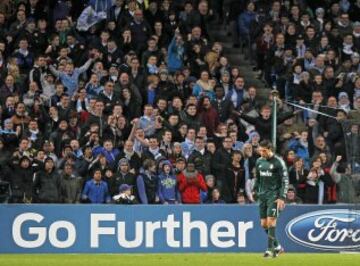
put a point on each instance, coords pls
(263, 123)
(222, 161)
(222, 105)
(201, 157)
(47, 184)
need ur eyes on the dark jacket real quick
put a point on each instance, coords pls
(202, 161)
(120, 179)
(233, 183)
(21, 183)
(70, 188)
(264, 126)
(220, 163)
(146, 187)
(47, 187)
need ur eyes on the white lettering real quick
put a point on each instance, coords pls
(188, 226)
(216, 234)
(96, 230)
(265, 173)
(242, 230)
(151, 227)
(40, 232)
(71, 234)
(170, 224)
(327, 225)
(123, 242)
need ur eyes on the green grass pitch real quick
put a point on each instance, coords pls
(208, 259)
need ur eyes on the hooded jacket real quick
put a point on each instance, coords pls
(167, 186)
(47, 186)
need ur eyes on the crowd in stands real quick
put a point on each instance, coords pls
(134, 102)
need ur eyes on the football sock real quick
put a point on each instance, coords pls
(276, 243)
(271, 238)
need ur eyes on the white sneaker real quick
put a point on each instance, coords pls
(268, 254)
(278, 250)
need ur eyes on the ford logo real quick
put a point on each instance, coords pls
(326, 230)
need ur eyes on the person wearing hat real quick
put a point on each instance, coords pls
(344, 102)
(46, 187)
(291, 197)
(125, 195)
(122, 176)
(20, 175)
(300, 46)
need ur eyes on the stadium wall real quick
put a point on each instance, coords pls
(173, 228)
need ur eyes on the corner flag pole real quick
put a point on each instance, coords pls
(275, 95)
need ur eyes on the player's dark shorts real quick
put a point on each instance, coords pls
(268, 207)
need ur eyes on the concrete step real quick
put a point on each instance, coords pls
(219, 33)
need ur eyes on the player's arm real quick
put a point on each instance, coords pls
(283, 173)
(284, 180)
(256, 183)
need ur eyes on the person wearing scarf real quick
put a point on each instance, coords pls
(204, 86)
(191, 183)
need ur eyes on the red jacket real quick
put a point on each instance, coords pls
(190, 189)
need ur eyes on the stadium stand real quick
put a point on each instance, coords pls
(165, 102)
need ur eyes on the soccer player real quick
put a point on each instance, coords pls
(270, 189)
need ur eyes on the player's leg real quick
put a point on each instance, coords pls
(272, 215)
(263, 220)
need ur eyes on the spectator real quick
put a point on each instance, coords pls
(125, 195)
(147, 183)
(96, 190)
(108, 151)
(216, 197)
(291, 197)
(190, 185)
(20, 176)
(70, 185)
(148, 77)
(46, 187)
(167, 188)
(234, 178)
(222, 161)
(348, 185)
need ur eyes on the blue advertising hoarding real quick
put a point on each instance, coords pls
(173, 228)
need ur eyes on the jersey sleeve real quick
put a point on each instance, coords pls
(257, 176)
(284, 178)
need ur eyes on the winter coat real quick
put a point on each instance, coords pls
(21, 183)
(190, 187)
(70, 188)
(47, 187)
